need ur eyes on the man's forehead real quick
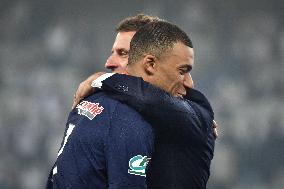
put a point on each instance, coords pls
(181, 49)
(125, 36)
(122, 40)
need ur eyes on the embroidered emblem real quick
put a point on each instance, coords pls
(89, 109)
(138, 164)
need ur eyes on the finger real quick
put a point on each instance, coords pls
(215, 124)
(75, 100)
(74, 104)
(215, 133)
(215, 129)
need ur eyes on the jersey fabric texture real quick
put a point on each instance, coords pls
(184, 141)
(106, 145)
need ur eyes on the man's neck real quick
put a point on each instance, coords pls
(131, 70)
(136, 71)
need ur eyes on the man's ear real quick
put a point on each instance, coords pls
(150, 64)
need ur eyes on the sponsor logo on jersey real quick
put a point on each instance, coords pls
(138, 164)
(89, 109)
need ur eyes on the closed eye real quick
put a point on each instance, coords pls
(185, 69)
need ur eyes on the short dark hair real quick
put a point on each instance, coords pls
(135, 23)
(156, 38)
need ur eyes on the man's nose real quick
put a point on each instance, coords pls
(111, 63)
(188, 82)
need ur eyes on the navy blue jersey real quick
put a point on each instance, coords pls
(106, 145)
(184, 141)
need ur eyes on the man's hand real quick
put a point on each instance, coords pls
(85, 88)
(215, 129)
(190, 84)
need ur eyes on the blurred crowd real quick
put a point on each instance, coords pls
(47, 48)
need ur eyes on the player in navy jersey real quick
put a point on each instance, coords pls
(118, 58)
(173, 175)
(126, 30)
(184, 141)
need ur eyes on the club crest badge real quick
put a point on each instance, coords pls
(89, 109)
(138, 164)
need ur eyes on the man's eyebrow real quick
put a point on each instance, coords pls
(119, 49)
(122, 49)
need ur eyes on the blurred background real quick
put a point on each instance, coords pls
(48, 47)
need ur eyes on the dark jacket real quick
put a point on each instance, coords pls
(184, 142)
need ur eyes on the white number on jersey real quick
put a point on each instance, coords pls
(68, 133)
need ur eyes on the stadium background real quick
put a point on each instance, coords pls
(48, 47)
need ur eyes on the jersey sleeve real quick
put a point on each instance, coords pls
(166, 113)
(129, 149)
